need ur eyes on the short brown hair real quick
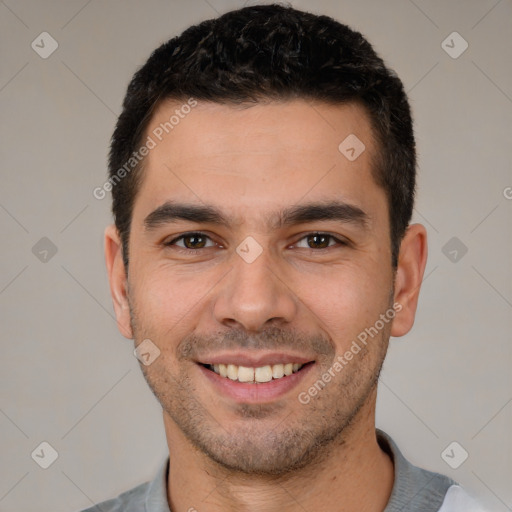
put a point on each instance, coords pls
(271, 52)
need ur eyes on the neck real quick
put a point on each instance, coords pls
(339, 482)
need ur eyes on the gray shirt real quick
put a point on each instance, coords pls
(414, 490)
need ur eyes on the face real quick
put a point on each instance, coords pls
(258, 254)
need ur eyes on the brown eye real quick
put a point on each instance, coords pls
(192, 241)
(318, 241)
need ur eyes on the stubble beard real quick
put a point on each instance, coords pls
(264, 442)
(264, 446)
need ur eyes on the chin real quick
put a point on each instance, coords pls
(266, 451)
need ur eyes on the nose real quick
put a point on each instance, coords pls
(254, 295)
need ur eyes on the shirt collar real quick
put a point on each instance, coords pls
(156, 496)
(414, 489)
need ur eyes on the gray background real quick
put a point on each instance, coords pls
(70, 379)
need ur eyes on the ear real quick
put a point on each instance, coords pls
(412, 260)
(118, 280)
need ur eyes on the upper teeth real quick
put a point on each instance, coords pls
(260, 374)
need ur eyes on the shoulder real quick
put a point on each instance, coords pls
(417, 489)
(129, 501)
(149, 496)
(458, 500)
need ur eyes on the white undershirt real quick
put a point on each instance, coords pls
(458, 500)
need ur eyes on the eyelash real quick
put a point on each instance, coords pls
(185, 250)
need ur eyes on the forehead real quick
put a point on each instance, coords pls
(253, 159)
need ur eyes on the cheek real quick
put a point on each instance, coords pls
(166, 300)
(346, 302)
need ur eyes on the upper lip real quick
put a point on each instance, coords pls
(255, 360)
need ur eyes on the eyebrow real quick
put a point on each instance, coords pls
(171, 212)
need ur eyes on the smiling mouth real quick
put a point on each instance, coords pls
(260, 374)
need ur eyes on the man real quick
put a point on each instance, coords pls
(263, 176)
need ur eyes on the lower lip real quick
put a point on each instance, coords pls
(258, 392)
